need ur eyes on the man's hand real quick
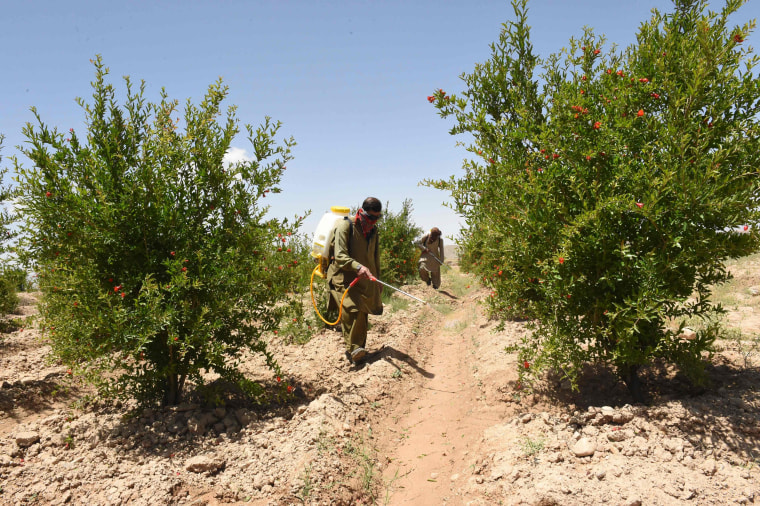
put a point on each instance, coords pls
(363, 272)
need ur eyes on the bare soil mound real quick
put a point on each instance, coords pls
(435, 416)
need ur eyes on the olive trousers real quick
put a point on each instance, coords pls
(354, 326)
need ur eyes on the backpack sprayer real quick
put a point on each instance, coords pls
(421, 247)
(321, 255)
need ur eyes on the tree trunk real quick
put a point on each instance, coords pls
(632, 381)
(172, 391)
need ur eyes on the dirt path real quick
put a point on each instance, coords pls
(432, 435)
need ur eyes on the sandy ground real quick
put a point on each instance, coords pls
(433, 417)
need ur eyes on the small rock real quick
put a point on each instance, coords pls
(709, 467)
(26, 439)
(204, 464)
(623, 416)
(584, 448)
(687, 334)
(454, 477)
(526, 418)
(244, 417)
(754, 290)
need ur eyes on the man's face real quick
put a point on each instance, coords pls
(372, 216)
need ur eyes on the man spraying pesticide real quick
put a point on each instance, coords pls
(351, 257)
(430, 270)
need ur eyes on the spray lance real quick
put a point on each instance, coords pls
(373, 278)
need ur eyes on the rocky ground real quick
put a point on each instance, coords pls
(435, 416)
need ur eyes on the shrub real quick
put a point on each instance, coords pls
(398, 254)
(603, 197)
(156, 262)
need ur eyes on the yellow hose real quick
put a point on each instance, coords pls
(314, 302)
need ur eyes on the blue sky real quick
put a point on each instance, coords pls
(348, 79)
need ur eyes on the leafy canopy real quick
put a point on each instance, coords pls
(155, 259)
(607, 188)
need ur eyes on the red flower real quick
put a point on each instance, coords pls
(640, 113)
(609, 71)
(620, 73)
(184, 269)
(526, 364)
(172, 253)
(117, 288)
(639, 205)
(499, 273)
(588, 158)
(431, 99)
(597, 51)
(745, 228)
(644, 80)
(561, 260)
(738, 38)
(279, 379)
(290, 388)
(655, 95)
(555, 156)
(597, 125)
(122, 295)
(48, 194)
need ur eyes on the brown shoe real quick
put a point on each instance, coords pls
(358, 355)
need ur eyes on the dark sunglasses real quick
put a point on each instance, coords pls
(371, 217)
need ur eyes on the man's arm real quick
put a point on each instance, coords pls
(440, 249)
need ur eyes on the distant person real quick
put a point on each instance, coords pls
(431, 257)
(356, 255)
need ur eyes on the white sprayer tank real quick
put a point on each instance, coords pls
(329, 219)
